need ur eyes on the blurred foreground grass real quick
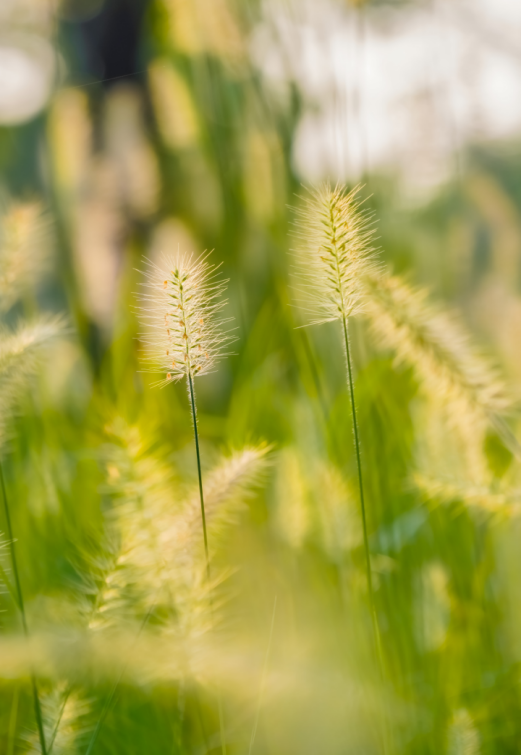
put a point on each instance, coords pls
(132, 650)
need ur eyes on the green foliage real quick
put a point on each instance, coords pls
(133, 649)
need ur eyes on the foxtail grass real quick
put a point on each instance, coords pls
(21, 608)
(434, 343)
(20, 356)
(21, 351)
(335, 254)
(24, 250)
(182, 309)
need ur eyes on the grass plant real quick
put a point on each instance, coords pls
(186, 338)
(335, 257)
(21, 607)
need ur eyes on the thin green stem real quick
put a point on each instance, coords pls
(205, 539)
(361, 488)
(106, 708)
(200, 478)
(59, 718)
(18, 585)
(377, 637)
(506, 435)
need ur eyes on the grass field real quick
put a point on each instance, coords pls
(300, 630)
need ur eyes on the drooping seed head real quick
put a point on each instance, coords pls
(436, 345)
(335, 251)
(180, 310)
(25, 236)
(21, 352)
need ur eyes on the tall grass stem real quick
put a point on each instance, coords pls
(205, 539)
(59, 719)
(377, 637)
(200, 477)
(36, 699)
(361, 487)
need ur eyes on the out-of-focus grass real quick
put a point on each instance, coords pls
(98, 465)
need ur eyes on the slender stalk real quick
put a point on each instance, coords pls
(505, 433)
(200, 478)
(205, 539)
(106, 708)
(263, 676)
(59, 719)
(18, 585)
(361, 488)
(339, 277)
(377, 637)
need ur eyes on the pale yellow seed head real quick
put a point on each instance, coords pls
(335, 251)
(189, 287)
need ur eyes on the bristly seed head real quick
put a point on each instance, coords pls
(180, 311)
(334, 254)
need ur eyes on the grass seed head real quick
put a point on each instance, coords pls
(180, 309)
(22, 351)
(335, 251)
(24, 249)
(436, 345)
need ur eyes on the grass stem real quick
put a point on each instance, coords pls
(200, 477)
(205, 539)
(361, 487)
(59, 719)
(377, 637)
(18, 585)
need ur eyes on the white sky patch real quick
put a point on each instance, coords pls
(401, 88)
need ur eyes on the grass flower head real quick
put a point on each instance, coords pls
(434, 342)
(180, 311)
(335, 252)
(335, 258)
(25, 232)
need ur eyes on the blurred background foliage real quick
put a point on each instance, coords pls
(129, 128)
